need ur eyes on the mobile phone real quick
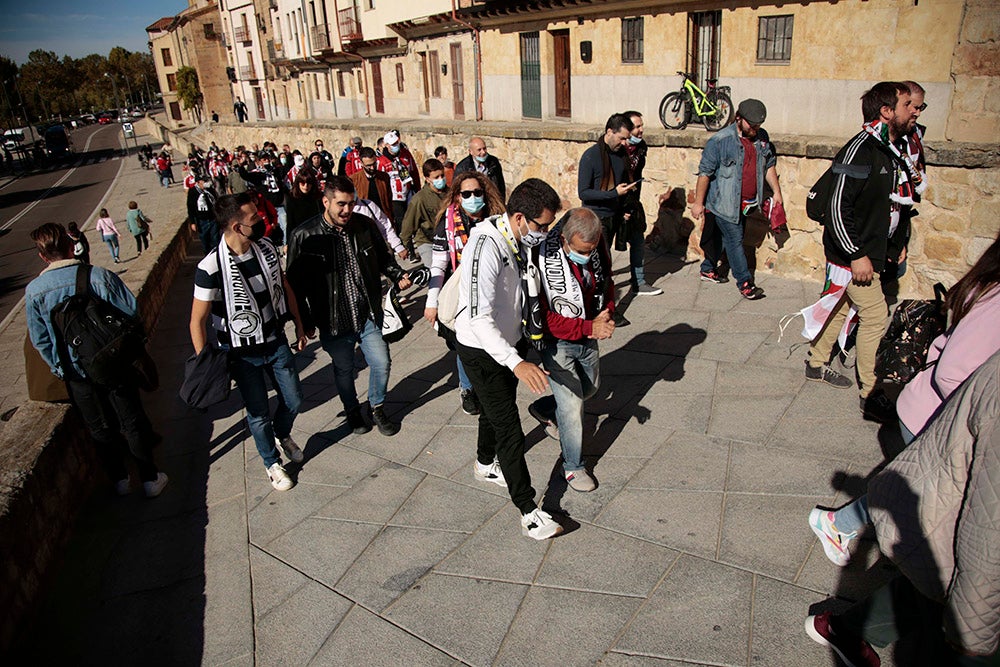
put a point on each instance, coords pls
(637, 182)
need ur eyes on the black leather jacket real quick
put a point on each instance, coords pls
(493, 170)
(315, 278)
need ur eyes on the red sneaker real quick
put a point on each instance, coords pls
(853, 651)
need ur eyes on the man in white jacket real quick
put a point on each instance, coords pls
(491, 307)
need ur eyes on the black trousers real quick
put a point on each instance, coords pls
(110, 413)
(500, 433)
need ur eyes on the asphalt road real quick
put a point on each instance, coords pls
(68, 191)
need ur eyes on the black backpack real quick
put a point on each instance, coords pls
(106, 341)
(820, 194)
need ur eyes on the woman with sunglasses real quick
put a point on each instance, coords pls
(471, 198)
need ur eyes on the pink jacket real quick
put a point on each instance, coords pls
(958, 354)
(106, 227)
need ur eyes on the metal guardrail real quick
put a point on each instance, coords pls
(350, 26)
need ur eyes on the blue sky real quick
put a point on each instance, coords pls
(78, 28)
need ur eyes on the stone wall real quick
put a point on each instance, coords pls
(975, 69)
(959, 217)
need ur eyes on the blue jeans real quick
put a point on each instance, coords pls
(112, 242)
(574, 375)
(854, 515)
(464, 383)
(376, 351)
(718, 233)
(636, 248)
(283, 223)
(277, 362)
(164, 179)
(208, 232)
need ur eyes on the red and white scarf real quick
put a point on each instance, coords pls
(910, 181)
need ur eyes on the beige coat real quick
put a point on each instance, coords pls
(936, 510)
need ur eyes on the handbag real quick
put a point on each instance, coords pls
(448, 301)
(395, 323)
(206, 378)
(902, 352)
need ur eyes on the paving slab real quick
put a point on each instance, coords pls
(700, 613)
(364, 637)
(292, 632)
(461, 623)
(683, 520)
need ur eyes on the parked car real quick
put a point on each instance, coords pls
(104, 118)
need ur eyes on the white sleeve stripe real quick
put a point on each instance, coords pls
(836, 220)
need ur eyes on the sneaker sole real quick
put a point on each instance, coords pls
(832, 551)
(499, 481)
(656, 293)
(810, 626)
(714, 281)
(557, 531)
(830, 384)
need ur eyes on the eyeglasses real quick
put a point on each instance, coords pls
(542, 225)
(469, 193)
(922, 107)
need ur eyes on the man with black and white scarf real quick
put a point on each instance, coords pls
(577, 298)
(201, 212)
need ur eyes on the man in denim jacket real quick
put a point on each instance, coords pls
(108, 412)
(734, 165)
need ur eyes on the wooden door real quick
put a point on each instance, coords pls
(377, 86)
(259, 99)
(560, 50)
(457, 81)
(531, 76)
(427, 83)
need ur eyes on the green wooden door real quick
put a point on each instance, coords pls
(531, 76)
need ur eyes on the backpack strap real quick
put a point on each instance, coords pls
(83, 278)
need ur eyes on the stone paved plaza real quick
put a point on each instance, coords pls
(708, 445)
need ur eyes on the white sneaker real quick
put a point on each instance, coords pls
(490, 473)
(155, 487)
(540, 525)
(291, 449)
(580, 480)
(123, 486)
(279, 478)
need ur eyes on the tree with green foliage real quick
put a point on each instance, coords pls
(189, 90)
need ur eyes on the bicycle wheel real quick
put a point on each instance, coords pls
(723, 111)
(674, 112)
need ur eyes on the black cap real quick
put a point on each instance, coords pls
(752, 111)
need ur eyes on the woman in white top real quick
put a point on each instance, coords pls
(109, 233)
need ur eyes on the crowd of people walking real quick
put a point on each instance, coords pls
(314, 239)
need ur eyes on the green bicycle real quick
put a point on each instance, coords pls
(714, 108)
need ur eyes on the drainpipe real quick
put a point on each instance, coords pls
(477, 54)
(340, 40)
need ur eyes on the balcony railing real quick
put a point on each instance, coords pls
(248, 73)
(320, 35)
(241, 34)
(275, 50)
(350, 26)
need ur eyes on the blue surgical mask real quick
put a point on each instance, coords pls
(634, 140)
(394, 149)
(481, 158)
(577, 258)
(438, 183)
(473, 204)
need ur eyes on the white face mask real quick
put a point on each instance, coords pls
(532, 238)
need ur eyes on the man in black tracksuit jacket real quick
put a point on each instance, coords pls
(865, 227)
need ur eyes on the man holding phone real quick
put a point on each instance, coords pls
(603, 187)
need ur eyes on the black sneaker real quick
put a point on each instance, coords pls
(751, 291)
(714, 277)
(619, 320)
(359, 425)
(827, 375)
(878, 408)
(470, 402)
(385, 425)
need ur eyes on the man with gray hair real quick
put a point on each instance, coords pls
(577, 299)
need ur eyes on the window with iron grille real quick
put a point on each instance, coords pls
(209, 30)
(774, 39)
(632, 30)
(399, 76)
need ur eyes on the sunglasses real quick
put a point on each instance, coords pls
(469, 193)
(922, 106)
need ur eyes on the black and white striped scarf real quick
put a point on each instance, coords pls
(245, 315)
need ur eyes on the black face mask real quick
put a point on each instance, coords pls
(370, 172)
(257, 231)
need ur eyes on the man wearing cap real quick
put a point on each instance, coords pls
(480, 160)
(350, 159)
(734, 166)
(397, 161)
